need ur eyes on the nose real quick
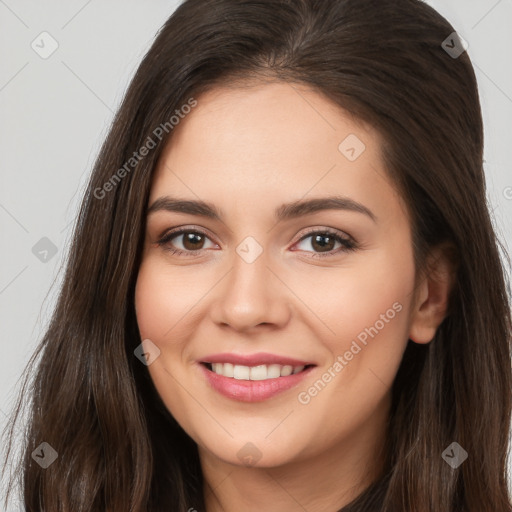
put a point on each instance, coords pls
(251, 295)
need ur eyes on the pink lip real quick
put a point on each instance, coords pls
(253, 359)
(252, 390)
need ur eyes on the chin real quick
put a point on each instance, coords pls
(253, 451)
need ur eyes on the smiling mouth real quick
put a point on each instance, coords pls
(260, 372)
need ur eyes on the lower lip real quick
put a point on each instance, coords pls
(252, 390)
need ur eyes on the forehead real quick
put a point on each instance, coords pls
(248, 118)
(272, 142)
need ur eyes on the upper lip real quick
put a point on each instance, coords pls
(253, 359)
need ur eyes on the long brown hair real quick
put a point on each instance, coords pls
(119, 449)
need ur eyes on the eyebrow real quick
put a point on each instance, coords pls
(284, 212)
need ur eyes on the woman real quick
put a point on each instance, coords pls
(284, 290)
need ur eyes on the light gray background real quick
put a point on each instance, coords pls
(55, 112)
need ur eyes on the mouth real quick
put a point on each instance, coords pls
(260, 372)
(255, 383)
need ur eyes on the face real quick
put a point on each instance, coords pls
(232, 305)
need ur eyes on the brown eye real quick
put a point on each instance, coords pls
(192, 241)
(323, 243)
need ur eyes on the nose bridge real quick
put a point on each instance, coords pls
(251, 294)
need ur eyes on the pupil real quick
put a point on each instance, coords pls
(323, 245)
(194, 238)
(190, 238)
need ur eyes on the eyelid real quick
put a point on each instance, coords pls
(178, 230)
(169, 234)
(326, 230)
(348, 242)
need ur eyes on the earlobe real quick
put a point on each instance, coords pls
(433, 297)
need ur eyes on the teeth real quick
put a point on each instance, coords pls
(227, 369)
(258, 372)
(241, 372)
(273, 371)
(261, 372)
(286, 370)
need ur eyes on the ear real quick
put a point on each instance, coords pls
(432, 296)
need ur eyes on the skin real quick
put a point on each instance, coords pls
(249, 150)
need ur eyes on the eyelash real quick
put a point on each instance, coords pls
(348, 244)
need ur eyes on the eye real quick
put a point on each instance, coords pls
(325, 240)
(192, 241)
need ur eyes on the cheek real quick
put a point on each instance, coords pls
(375, 291)
(161, 300)
(146, 298)
(151, 301)
(161, 310)
(368, 315)
(160, 307)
